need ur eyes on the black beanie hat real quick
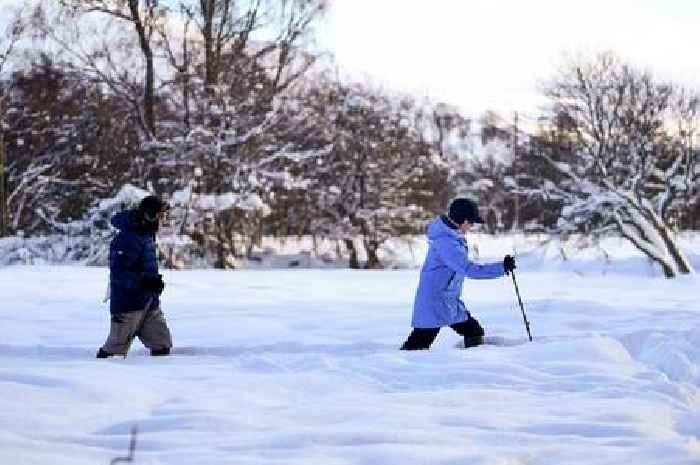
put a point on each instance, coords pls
(150, 207)
(462, 210)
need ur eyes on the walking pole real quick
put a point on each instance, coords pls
(132, 448)
(522, 308)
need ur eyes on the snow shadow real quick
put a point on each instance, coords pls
(46, 352)
(57, 353)
(287, 348)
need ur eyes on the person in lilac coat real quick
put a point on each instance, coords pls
(447, 264)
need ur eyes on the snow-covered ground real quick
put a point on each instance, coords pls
(302, 367)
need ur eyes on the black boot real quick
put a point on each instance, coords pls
(471, 330)
(473, 341)
(420, 339)
(160, 352)
(102, 354)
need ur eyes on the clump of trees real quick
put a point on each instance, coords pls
(619, 157)
(217, 105)
(224, 107)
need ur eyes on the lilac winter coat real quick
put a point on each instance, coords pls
(438, 300)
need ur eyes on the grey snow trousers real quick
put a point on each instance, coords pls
(148, 325)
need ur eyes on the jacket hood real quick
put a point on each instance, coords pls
(437, 228)
(124, 221)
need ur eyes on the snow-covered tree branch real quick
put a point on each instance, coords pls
(628, 160)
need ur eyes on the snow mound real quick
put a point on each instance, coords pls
(596, 349)
(674, 353)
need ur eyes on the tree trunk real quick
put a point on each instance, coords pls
(684, 265)
(674, 251)
(210, 65)
(149, 97)
(661, 249)
(4, 217)
(354, 262)
(668, 269)
(186, 81)
(371, 248)
(149, 85)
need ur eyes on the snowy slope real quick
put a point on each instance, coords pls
(302, 367)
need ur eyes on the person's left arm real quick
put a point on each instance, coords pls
(456, 257)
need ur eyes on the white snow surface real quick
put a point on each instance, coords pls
(302, 367)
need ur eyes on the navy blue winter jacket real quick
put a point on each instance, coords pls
(132, 256)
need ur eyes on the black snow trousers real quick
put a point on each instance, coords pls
(421, 338)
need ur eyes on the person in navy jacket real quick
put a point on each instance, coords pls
(135, 284)
(447, 264)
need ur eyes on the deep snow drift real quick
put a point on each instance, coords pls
(278, 366)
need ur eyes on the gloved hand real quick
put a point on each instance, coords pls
(153, 284)
(508, 263)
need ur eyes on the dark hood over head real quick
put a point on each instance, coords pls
(124, 220)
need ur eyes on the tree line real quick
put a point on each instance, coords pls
(225, 107)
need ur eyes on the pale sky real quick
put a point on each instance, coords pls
(491, 54)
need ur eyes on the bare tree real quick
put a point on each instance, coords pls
(145, 16)
(69, 144)
(628, 167)
(380, 177)
(234, 61)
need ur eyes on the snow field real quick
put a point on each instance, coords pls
(302, 366)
